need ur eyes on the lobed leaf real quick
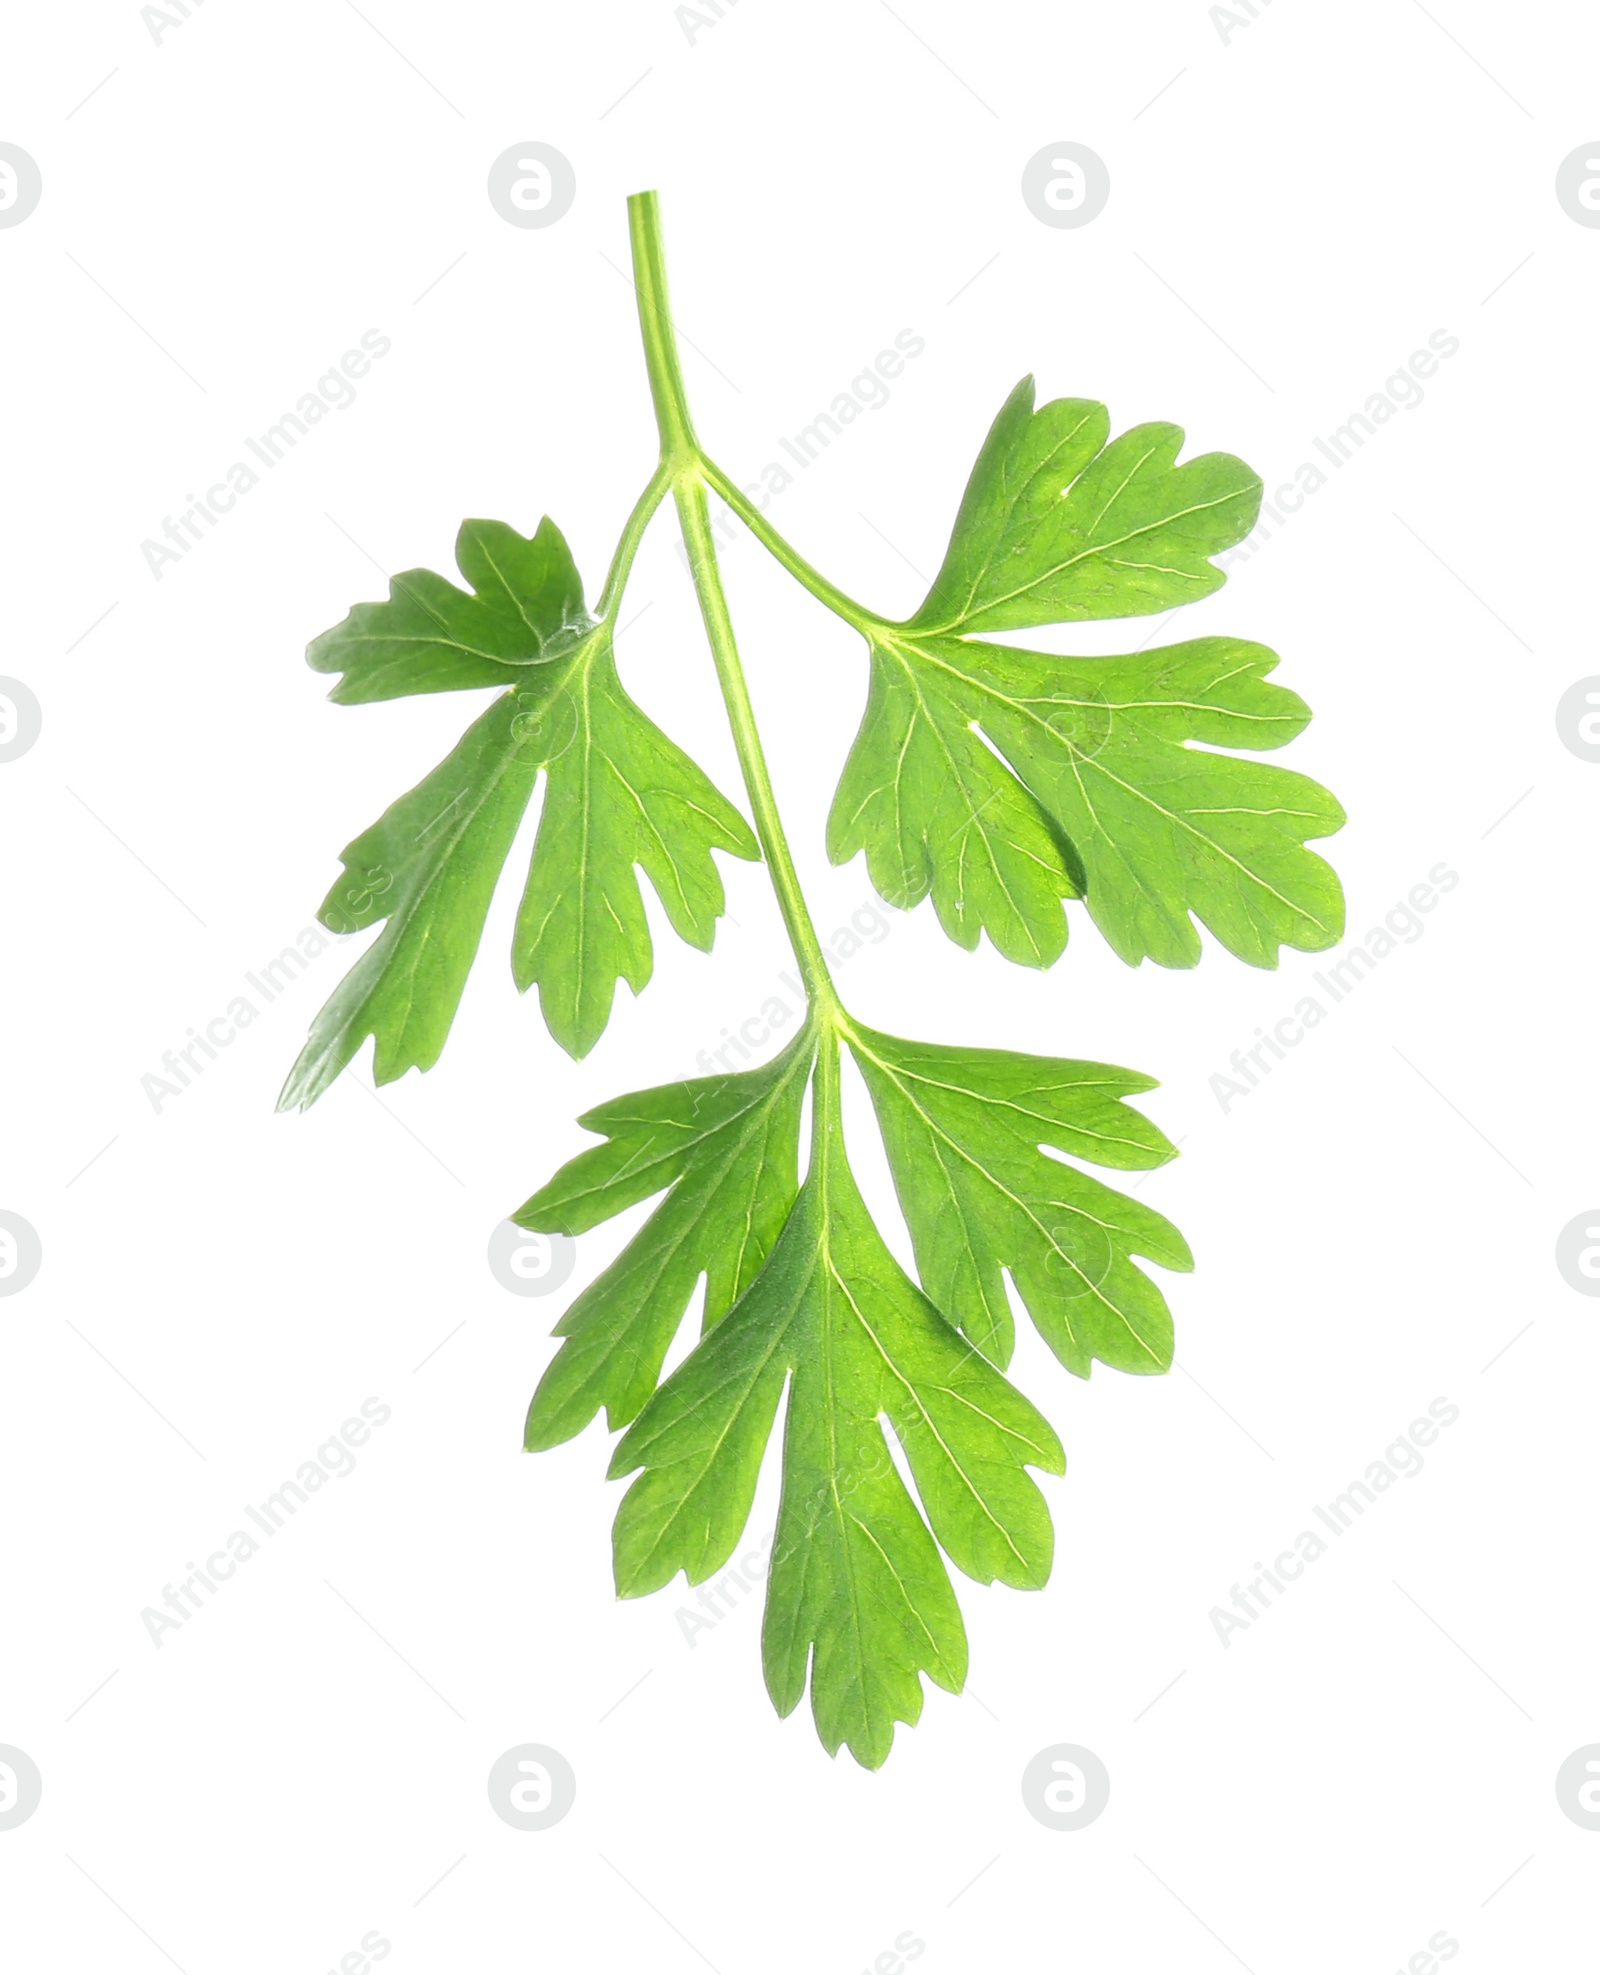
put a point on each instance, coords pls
(1005, 782)
(1149, 827)
(428, 866)
(964, 1130)
(936, 811)
(431, 637)
(619, 797)
(857, 1590)
(727, 1149)
(1056, 525)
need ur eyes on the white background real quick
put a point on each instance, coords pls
(1306, 202)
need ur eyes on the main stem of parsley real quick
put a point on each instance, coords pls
(687, 471)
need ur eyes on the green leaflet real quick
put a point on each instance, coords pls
(727, 1147)
(618, 795)
(936, 811)
(429, 867)
(431, 637)
(1101, 791)
(963, 1128)
(857, 1589)
(1056, 525)
(1148, 826)
(802, 1292)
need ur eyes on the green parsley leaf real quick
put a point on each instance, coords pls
(1004, 782)
(431, 637)
(856, 1590)
(1127, 812)
(618, 795)
(429, 867)
(727, 1147)
(801, 1291)
(936, 810)
(964, 1130)
(1056, 525)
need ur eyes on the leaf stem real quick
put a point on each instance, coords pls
(784, 551)
(678, 442)
(688, 472)
(628, 543)
(696, 520)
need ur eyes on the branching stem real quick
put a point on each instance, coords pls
(688, 473)
(783, 551)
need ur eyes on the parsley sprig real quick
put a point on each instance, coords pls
(1004, 783)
